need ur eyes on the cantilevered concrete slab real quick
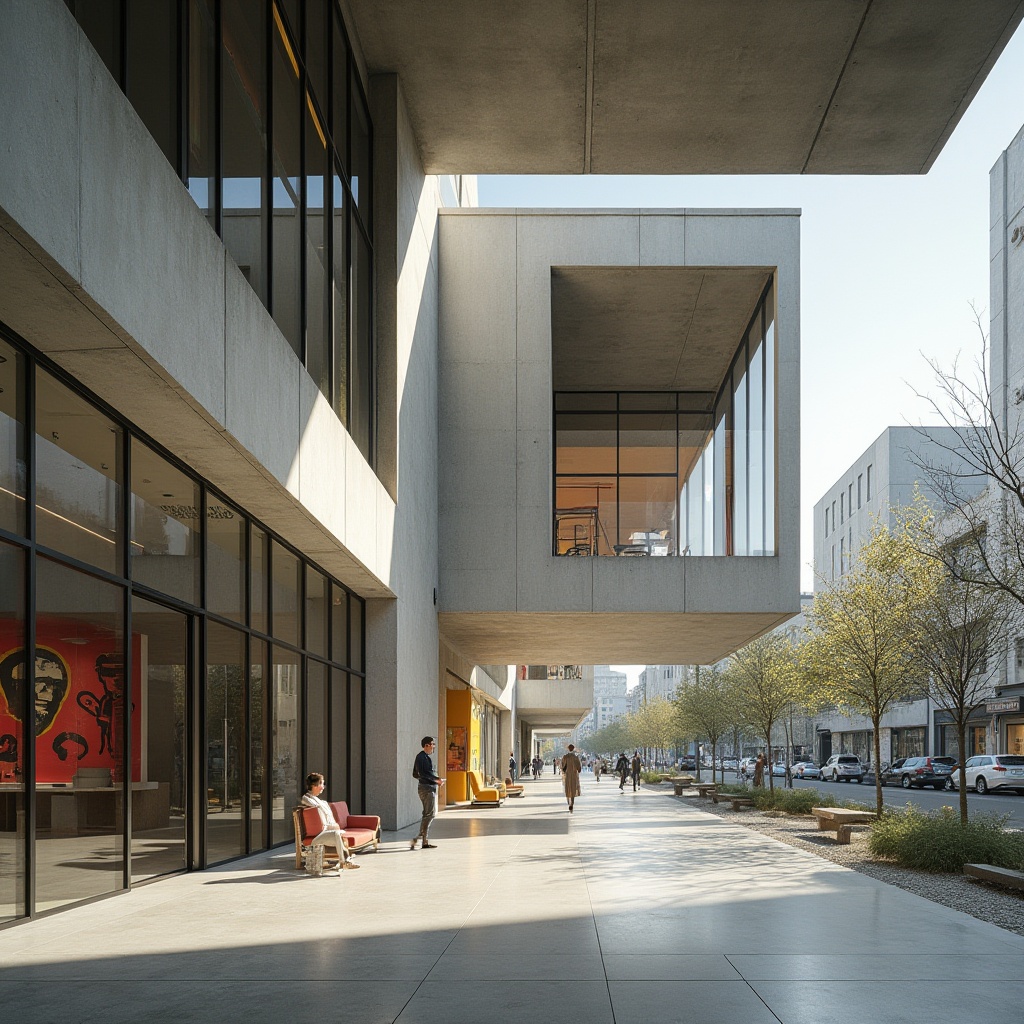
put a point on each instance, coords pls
(649, 328)
(685, 86)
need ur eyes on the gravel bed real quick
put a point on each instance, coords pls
(1002, 907)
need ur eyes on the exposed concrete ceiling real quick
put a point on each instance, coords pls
(649, 328)
(685, 86)
(604, 638)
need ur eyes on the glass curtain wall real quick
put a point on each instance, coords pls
(184, 661)
(259, 108)
(672, 473)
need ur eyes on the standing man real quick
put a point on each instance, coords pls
(331, 832)
(429, 780)
(571, 769)
(759, 769)
(512, 765)
(635, 765)
(622, 770)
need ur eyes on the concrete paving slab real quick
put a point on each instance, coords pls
(636, 908)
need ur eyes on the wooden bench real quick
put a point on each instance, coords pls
(681, 782)
(839, 820)
(996, 875)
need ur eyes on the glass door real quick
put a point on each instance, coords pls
(160, 784)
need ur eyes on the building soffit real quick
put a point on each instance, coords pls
(695, 87)
(649, 328)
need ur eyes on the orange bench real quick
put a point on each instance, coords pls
(361, 830)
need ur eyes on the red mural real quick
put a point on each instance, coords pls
(76, 698)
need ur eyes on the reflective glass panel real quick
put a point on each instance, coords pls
(339, 624)
(317, 720)
(78, 476)
(647, 516)
(260, 547)
(225, 559)
(201, 151)
(647, 442)
(339, 774)
(12, 439)
(258, 742)
(317, 265)
(14, 708)
(286, 584)
(357, 612)
(360, 158)
(355, 738)
(159, 802)
(226, 678)
(151, 70)
(340, 325)
(165, 525)
(340, 80)
(286, 228)
(316, 613)
(80, 707)
(756, 447)
(362, 366)
(286, 741)
(740, 466)
(769, 433)
(586, 515)
(318, 34)
(244, 137)
(585, 443)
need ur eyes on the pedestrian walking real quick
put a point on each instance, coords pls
(635, 765)
(429, 780)
(512, 766)
(622, 770)
(571, 769)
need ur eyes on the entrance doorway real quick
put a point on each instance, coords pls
(159, 821)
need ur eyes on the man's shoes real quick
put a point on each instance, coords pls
(428, 846)
(412, 845)
(351, 865)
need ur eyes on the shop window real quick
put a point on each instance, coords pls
(165, 526)
(13, 470)
(79, 475)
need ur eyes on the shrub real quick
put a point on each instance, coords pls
(649, 776)
(938, 841)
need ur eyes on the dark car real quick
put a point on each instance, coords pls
(925, 771)
(891, 772)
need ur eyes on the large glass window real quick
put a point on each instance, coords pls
(151, 70)
(666, 473)
(201, 152)
(339, 777)
(225, 559)
(287, 586)
(317, 720)
(13, 472)
(165, 525)
(79, 476)
(80, 702)
(286, 740)
(257, 742)
(15, 701)
(226, 680)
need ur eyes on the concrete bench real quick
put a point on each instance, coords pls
(706, 790)
(739, 801)
(839, 820)
(997, 876)
(680, 782)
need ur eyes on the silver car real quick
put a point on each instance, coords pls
(991, 771)
(843, 768)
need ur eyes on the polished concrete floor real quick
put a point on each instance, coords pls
(638, 908)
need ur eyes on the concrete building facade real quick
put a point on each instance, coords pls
(294, 443)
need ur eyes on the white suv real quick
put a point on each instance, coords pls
(843, 768)
(993, 771)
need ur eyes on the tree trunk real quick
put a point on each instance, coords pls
(877, 743)
(961, 738)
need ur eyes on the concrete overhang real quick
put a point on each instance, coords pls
(649, 328)
(616, 638)
(554, 703)
(694, 87)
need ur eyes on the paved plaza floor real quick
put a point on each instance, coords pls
(639, 908)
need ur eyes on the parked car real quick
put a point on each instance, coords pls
(921, 772)
(843, 768)
(991, 771)
(730, 764)
(806, 770)
(747, 765)
(779, 769)
(891, 772)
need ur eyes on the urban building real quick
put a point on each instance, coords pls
(882, 480)
(296, 446)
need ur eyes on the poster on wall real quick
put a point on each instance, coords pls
(456, 748)
(74, 688)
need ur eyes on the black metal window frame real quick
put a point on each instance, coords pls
(198, 615)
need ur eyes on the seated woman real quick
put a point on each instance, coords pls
(331, 832)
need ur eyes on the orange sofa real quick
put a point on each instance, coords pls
(361, 830)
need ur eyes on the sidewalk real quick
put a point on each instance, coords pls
(638, 909)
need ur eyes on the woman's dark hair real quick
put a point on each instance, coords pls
(313, 779)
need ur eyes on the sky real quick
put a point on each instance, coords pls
(891, 267)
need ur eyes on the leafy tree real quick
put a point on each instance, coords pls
(862, 632)
(707, 707)
(767, 682)
(957, 631)
(653, 725)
